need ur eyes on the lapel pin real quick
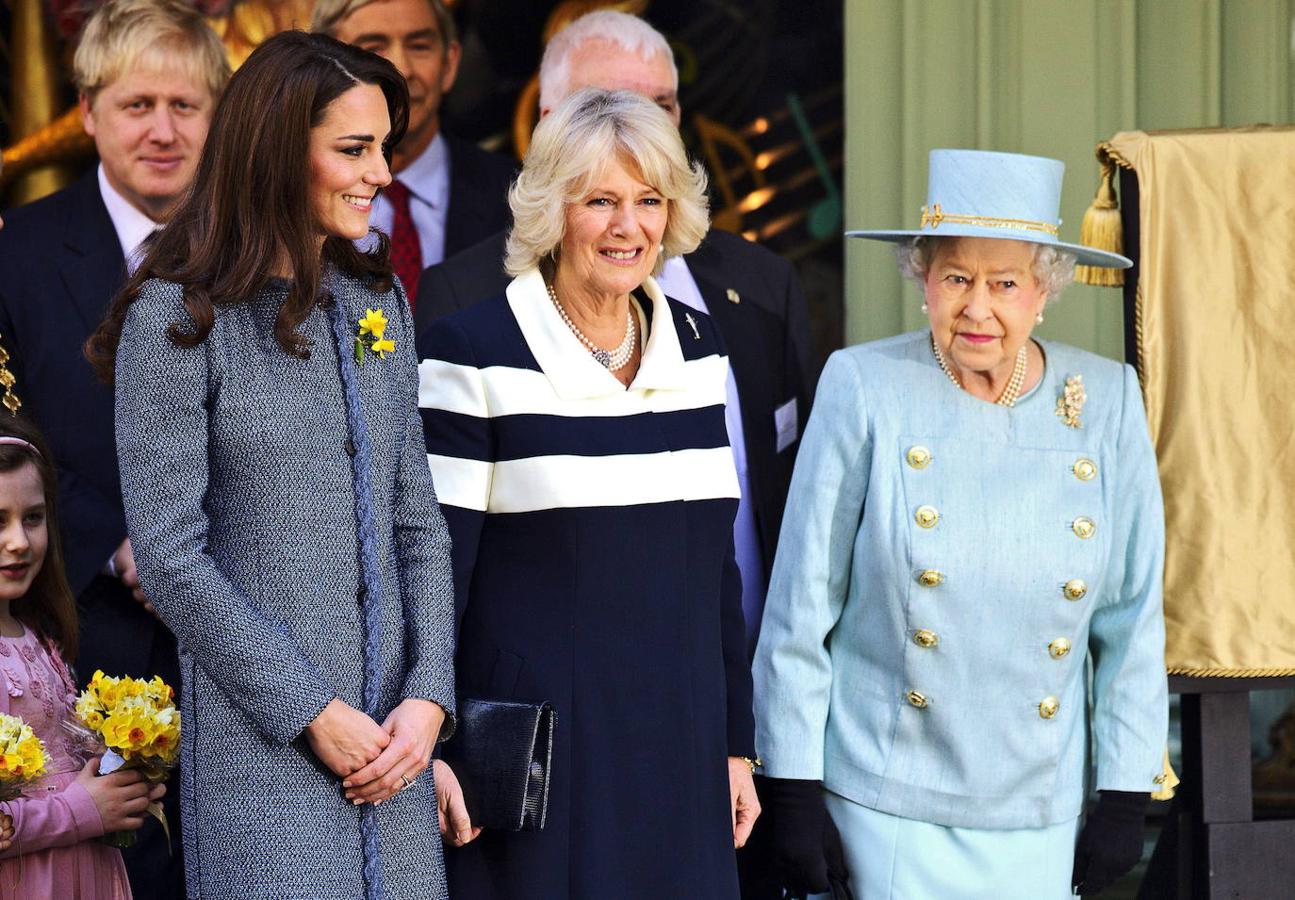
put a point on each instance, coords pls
(692, 323)
(733, 296)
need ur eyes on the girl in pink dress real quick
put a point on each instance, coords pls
(53, 851)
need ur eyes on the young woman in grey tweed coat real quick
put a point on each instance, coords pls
(278, 496)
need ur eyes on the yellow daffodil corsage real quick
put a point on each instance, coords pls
(373, 325)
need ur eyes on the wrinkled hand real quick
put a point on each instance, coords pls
(1111, 843)
(345, 739)
(797, 821)
(121, 798)
(6, 831)
(744, 805)
(451, 811)
(414, 726)
(123, 562)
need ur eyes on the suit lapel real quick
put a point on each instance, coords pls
(94, 266)
(733, 325)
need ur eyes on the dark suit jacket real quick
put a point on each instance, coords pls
(479, 183)
(60, 265)
(766, 330)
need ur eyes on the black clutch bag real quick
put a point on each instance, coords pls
(502, 755)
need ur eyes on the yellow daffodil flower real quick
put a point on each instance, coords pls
(374, 323)
(382, 347)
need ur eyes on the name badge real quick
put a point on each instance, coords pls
(786, 423)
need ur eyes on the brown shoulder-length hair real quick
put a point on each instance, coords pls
(48, 606)
(249, 205)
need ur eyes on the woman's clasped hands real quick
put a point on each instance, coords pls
(376, 761)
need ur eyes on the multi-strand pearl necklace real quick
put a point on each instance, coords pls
(1013, 389)
(612, 360)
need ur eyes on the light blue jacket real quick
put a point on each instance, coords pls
(911, 666)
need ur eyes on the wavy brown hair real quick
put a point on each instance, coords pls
(48, 607)
(249, 205)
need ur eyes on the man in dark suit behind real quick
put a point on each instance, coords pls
(447, 193)
(752, 295)
(149, 73)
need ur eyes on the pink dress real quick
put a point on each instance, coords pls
(54, 853)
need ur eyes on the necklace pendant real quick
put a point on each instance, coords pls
(604, 358)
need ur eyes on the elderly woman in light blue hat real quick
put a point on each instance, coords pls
(975, 513)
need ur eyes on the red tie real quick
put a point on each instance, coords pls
(406, 253)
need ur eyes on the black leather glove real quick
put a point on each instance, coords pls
(797, 816)
(838, 874)
(1111, 842)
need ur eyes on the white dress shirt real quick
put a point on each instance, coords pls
(428, 180)
(676, 281)
(131, 225)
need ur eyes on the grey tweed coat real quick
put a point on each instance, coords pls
(238, 485)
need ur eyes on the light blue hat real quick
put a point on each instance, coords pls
(979, 193)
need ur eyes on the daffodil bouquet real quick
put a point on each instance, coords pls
(369, 336)
(136, 724)
(22, 757)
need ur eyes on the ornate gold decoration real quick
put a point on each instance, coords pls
(1071, 403)
(7, 381)
(936, 215)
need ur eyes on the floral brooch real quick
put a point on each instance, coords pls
(1071, 402)
(369, 337)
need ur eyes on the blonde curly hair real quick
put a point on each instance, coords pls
(571, 148)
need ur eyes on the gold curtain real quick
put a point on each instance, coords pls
(1216, 340)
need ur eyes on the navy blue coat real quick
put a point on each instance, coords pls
(594, 569)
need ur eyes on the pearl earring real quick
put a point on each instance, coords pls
(925, 309)
(1038, 320)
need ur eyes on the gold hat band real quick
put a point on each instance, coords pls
(935, 216)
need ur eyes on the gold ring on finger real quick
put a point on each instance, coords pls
(406, 781)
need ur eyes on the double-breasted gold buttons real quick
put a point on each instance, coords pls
(930, 578)
(917, 699)
(924, 638)
(919, 457)
(1084, 468)
(1075, 589)
(1083, 527)
(926, 516)
(1048, 707)
(1059, 648)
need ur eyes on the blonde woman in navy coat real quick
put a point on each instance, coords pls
(575, 429)
(974, 513)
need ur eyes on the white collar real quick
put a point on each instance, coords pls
(571, 368)
(131, 225)
(428, 176)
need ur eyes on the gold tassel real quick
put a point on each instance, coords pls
(1102, 229)
(1166, 780)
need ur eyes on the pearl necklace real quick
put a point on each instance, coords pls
(1013, 389)
(611, 360)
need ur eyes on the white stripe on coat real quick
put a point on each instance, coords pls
(568, 482)
(505, 391)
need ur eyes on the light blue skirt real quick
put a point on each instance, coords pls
(891, 858)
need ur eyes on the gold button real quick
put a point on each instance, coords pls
(927, 516)
(917, 699)
(1085, 469)
(919, 457)
(924, 638)
(1048, 708)
(1083, 527)
(1059, 648)
(1160, 779)
(1075, 589)
(930, 578)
